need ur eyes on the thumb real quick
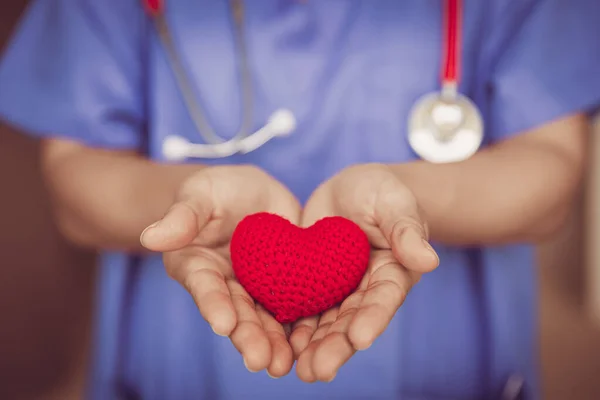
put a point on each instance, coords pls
(177, 229)
(411, 248)
(397, 214)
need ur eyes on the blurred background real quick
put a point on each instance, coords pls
(46, 287)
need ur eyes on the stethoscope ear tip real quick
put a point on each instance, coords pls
(175, 148)
(282, 122)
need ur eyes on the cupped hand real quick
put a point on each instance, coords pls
(194, 236)
(374, 198)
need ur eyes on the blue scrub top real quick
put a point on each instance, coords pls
(94, 71)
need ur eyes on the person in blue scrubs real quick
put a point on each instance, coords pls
(92, 79)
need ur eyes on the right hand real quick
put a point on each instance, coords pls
(194, 236)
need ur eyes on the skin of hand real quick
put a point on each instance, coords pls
(194, 236)
(372, 196)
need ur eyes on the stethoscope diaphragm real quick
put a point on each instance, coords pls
(442, 130)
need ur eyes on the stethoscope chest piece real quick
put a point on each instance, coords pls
(444, 128)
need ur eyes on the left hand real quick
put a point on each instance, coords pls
(387, 211)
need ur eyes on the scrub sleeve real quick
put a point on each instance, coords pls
(545, 64)
(74, 69)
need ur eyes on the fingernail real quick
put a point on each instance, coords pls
(271, 376)
(331, 379)
(246, 365)
(153, 225)
(365, 347)
(217, 333)
(146, 230)
(430, 248)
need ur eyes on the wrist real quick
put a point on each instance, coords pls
(158, 185)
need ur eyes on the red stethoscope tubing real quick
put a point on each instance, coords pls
(153, 7)
(452, 36)
(452, 42)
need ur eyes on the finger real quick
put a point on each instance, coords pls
(204, 278)
(412, 250)
(304, 368)
(325, 322)
(388, 286)
(249, 336)
(303, 365)
(396, 213)
(336, 349)
(302, 332)
(281, 353)
(184, 220)
(177, 229)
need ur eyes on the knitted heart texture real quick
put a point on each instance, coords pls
(296, 272)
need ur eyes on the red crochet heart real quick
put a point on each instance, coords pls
(298, 272)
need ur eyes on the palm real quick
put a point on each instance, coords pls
(224, 303)
(386, 211)
(195, 236)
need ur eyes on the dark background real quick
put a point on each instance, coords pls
(45, 286)
(46, 289)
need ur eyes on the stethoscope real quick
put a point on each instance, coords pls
(444, 126)
(177, 148)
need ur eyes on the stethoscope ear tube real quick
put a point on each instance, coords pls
(181, 77)
(177, 148)
(281, 123)
(185, 86)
